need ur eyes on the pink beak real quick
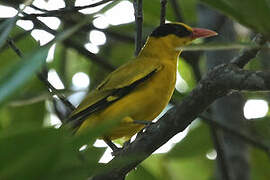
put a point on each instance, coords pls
(200, 33)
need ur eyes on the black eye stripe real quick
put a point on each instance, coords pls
(166, 29)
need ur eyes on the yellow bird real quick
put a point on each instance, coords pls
(140, 89)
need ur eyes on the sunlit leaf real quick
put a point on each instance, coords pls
(187, 73)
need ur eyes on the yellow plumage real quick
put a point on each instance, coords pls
(140, 89)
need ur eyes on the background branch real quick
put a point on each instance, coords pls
(249, 53)
(63, 11)
(69, 43)
(163, 4)
(137, 4)
(221, 154)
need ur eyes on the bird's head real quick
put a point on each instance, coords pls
(179, 34)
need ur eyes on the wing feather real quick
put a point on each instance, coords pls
(119, 83)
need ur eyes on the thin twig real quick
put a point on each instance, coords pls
(88, 27)
(249, 53)
(39, 9)
(66, 10)
(13, 46)
(163, 11)
(176, 10)
(55, 91)
(255, 142)
(138, 27)
(41, 77)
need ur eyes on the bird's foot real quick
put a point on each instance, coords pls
(126, 144)
(116, 150)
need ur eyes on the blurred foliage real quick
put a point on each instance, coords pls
(253, 14)
(28, 150)
(197, 143)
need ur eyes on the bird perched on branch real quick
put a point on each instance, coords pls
(139, 90)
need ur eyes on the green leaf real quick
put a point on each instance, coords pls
(44, 153)
(198, 167)
(23, 41)
(196, 143)
(5, 28)
(187, 73)
(20, 72)
(253, 14)
(31, 113)
(70, 166)
(22, 153)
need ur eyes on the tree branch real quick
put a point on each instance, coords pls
(217, 83)
(221, 154)
(249, 53)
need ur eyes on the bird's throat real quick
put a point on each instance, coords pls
(156, 48)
